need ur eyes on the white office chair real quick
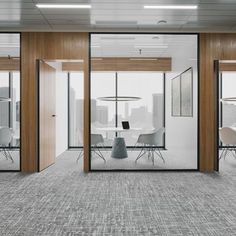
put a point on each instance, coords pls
(150, 143)
(96, 141)
(5, 139)
(228, 138)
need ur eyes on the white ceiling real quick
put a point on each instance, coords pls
(118, 15)
(151, 45)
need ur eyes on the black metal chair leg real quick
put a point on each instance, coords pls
(98, 152)
(222, 153)
(160, 155)
(152, 157)
(10, 156)
(142, 152)
(80, 155)
(4, 153)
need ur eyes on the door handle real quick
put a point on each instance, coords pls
(53, 115)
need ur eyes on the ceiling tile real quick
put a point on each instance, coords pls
(105, 14)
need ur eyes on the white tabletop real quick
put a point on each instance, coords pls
(117, 129)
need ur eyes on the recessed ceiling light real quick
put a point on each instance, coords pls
(63, 6)
(115, 22)
(190, 7)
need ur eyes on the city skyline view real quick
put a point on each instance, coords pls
(146, 113)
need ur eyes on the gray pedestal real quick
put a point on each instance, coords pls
(119, 148)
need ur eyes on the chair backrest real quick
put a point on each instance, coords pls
(96, 139)
(228, 135)
(152, 139)
(158, 136)
(5, 136)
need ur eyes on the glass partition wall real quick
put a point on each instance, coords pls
(226, 76)
(75, 108)
(9, 102)
(132, 87)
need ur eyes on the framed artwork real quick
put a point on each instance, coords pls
(175, 91)
(182, 94)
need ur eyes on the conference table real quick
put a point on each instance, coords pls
(119, 150)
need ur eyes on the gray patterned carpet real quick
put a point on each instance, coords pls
(64, 201)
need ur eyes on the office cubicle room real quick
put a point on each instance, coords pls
(226, 123)
(151, 82)
(9, 102)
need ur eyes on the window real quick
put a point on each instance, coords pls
(76, 99)
(10, 101)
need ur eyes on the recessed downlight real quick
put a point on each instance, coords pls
(63, 6)
(184, 7)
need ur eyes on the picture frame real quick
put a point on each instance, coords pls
(182, 94)
(175, 91)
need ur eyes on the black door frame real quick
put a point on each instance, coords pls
(198, 107)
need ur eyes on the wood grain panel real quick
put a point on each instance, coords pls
(122, 64)
(51, 46)
(227, 67)
(72, 66)
(9, 64)
(47, 108)
(213, 46)
(131, 64)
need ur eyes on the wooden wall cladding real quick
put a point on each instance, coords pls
(51, 46)
(227, 67)
(131, 64)
(9, 64)
(213, 46)
(72, 66)
(122, 64)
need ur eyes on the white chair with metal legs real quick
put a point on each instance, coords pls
(228, 138)
(5, 139)
(96, 141)
(150, 143)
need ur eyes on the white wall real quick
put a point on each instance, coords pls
(181, 132)
(61, 113)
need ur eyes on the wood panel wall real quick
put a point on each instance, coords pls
(213, 46)
(131, 64)
(9, 64)
(122, 64)
(227, 66)
(41, 45)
